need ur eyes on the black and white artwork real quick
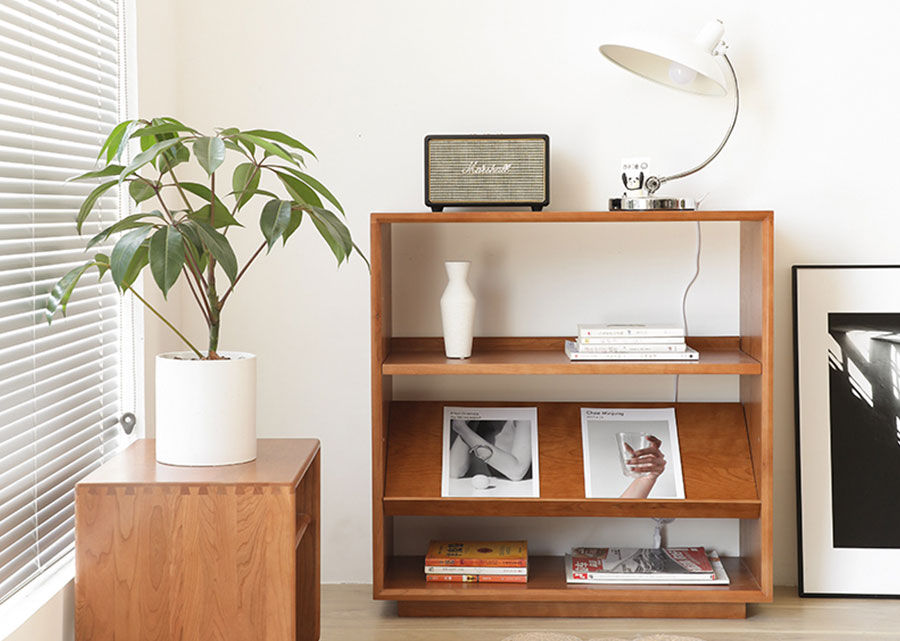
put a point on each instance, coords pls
(847, 392)
(490, 452)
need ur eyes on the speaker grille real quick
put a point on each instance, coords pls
(487, 170)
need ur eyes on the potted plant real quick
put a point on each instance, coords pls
(205, 399)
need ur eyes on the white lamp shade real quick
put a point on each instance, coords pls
(654, 60)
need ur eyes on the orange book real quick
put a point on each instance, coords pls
(476, 578)
(478, 553)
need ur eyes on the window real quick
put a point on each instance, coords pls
(61, 92)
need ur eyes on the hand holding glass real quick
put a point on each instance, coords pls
(639, 454)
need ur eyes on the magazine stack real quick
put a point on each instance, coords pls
(657, 566)
(634, 342)
(477, 562)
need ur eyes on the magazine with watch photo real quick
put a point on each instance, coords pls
(490, 452)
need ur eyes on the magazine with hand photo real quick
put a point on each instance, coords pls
(631, 453)
(490, 452)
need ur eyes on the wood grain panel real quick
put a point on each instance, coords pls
(547, 582)
(191, 560)
(279, 461)
(308, 572)
(545, 355)
(715, 462)
(757, 332)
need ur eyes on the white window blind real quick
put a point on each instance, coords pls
(60, 87)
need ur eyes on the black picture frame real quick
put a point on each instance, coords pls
(876, 317)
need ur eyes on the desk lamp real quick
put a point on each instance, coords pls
(689, 66)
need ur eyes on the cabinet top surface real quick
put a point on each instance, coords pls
(278, 462)
(570, 217)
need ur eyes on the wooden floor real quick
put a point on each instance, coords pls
(348, 612)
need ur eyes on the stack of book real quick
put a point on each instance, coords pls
(477, 561)
(634, 342)
(657, 566)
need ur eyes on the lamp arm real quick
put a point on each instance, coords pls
(654, 183)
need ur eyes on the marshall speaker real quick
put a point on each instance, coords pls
(487, 171)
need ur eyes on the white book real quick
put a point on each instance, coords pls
(690, 354)
(629, 329)
(588, 348)
(469, 569)
(630, 340)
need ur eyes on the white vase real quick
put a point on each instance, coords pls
(205, 410)
(458, 311)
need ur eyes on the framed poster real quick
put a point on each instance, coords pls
(847, 406)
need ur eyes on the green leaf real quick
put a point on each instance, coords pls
(219, 247)
(129, 222)
(140, 191)
(203, 192)
(124, 252)
(222, 218)
(333, 231)
(315, 184)
(296, 219)
(271, 147)
(146, 156)
(166, 257)
(299, 190)
(113, 140)
(210, 153)
(102, 262)
(164, 128)
(173, 157)
(138, 262)
(109, 170)
(245, 182)
(90, 201)
(59, 295)
(363, 256)
(283, 138)
(275, 218)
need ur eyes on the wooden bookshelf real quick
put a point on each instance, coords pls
(726, 448)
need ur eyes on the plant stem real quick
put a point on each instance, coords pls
(170, 325)
(197, 298)
(241, 273)
(214, 306)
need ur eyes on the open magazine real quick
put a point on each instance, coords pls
(631, 453)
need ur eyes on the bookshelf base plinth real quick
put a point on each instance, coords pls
(572, 610)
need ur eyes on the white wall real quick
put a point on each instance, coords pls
(363, 82)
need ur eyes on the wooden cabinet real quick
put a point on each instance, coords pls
(726, 448)
(230, 552)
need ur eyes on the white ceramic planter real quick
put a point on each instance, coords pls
(457, 311)
(205, 410)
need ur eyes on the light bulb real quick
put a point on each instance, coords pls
(681, 75)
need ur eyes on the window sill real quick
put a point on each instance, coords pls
(22, 605)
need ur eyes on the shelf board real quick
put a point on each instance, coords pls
(569, 216)
(405, 581)
(715, 455)
(545, 355)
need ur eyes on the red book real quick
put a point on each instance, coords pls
(478, 553)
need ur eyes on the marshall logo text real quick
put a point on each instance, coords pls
(475, 168)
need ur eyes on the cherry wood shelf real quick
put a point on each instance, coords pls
(545, 355)
(726, 448)
(715, 454)
(405, 581)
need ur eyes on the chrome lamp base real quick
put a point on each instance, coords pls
(650, 203)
